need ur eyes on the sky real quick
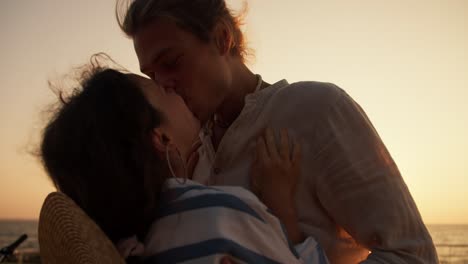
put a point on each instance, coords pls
(405, 62)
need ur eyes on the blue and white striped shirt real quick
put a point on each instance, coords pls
(200, 224)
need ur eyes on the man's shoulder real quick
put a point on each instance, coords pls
(308, 94)
(313, 88)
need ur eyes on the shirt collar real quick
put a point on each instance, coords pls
(257, 97)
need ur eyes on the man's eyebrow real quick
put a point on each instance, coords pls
(156, 58)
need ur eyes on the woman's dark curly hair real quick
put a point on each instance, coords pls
(98, 149)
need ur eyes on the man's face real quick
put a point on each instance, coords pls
(178, 122)
(177, 59)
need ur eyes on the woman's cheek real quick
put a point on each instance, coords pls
(190, 126)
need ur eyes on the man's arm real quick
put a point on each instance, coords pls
(362, 190)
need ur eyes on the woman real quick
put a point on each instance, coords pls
(112, 147)
(350, 195)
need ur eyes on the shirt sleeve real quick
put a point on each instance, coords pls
(361, 188)
(310, 252)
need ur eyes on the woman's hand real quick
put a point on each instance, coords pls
(275, 170)
(274, 178)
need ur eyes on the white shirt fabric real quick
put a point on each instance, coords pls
(351, 196)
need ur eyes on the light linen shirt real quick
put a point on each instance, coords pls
(351, 196)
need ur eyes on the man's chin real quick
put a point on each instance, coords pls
(194, 113)
(202, 118)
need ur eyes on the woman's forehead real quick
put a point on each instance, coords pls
(147, 86)
(138, 79)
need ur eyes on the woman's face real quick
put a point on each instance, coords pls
(178, 60)
(179, 124)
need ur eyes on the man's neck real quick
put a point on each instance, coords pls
(243, 82)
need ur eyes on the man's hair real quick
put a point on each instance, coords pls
(98, 149)
(200, 17)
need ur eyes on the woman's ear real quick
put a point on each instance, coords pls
(160, 140)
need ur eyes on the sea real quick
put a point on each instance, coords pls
(451, 240)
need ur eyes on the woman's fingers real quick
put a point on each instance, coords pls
(284, 144)
(297, 153)
(271, 144)
(261, 157)
(282, 149)
(262, 150)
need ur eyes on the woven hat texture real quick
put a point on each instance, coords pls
(67, 235)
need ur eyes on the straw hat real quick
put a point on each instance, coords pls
(67, 235)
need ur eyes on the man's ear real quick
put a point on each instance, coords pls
(223, 38)
(160, 140)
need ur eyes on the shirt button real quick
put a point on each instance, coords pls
(216, 170)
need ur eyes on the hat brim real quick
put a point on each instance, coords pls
(67, 235)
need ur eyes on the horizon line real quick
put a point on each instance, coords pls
(37, 219)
